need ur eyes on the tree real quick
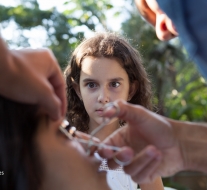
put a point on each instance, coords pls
(179, 90)
(61, 37)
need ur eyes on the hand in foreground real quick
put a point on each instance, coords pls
(33, 76)
(151, 137)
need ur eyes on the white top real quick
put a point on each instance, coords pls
(117, 179)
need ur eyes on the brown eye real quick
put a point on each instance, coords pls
(115, 84)
(91, 85)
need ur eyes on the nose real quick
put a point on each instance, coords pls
(103, 96)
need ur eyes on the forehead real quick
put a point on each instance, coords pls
(99, 65)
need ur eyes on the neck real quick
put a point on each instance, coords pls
(105, 131)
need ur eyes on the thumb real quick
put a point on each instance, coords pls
(49, 102)
(126, 111)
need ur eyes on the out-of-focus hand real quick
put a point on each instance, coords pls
(150, 137)
(33, 76)
(145, 11)
(151, 12)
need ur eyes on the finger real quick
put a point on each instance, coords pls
(141, 160)
(144, 122)
(148, 174)
(48, 101)
(57, 81)
(143, 165)
(125, 155)
(55, 102)
(117, 139)
(127, 111)
(58, 84)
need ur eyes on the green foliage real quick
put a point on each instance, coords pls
(91, 9)
(61, 37)
(179, 91)
(29, 16)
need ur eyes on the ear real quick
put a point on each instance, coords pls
(76, 87)
(132, 90)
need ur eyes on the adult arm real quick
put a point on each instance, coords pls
(145, 11)
(33, 76)
(192, 138)
(162, 147)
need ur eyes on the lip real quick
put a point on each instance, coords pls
(99, 112)
(99, 109)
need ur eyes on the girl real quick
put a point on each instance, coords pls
(102, 69)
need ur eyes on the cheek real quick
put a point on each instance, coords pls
(87, 94)
(123, 96)
(89, 101)
(122, 93)
(89, 98)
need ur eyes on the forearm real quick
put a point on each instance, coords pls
(145, 11)
(192, 138)
(4, 58)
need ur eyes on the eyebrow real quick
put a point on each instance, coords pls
(113, 79)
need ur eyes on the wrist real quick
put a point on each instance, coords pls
(192, 138)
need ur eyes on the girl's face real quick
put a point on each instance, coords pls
(65, 163)
(102, 80)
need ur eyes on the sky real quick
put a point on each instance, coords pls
(38, 35)
(44, 4)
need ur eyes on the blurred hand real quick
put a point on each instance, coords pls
(150, 137)
(151, 12)
(33, 76)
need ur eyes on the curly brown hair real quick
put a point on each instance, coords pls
(108, 45)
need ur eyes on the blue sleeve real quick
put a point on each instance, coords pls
(190, 20)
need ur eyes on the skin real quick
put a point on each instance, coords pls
(65, 163)
(103, 80)
(156, 146)
(33, 76)
(150, 11)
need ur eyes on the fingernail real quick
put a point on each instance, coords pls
(113, 106)
(109, 106)
(151, 152)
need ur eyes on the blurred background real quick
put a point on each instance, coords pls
(179, 90)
